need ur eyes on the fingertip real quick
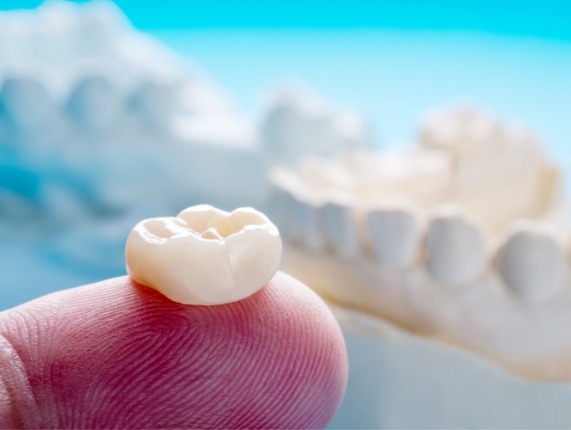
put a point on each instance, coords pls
(117, 353)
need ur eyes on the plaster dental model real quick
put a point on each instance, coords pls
(205, 256)
(90, 113)
(101, 126)
(461, 240)
(96, 117)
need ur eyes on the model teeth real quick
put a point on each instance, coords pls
(366, 226)
(509, 306)
(532, 264)
(205, 256)
(285, 203)
(154, 102)
(95, 102)
(25, 100)
(341, 228)
(455, 249)
(282, 203)
(308, 216)
(394, 234)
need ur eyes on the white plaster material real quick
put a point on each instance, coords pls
(455, 249)
(398, 380)
(205, 256)
(394, 231)
(532, 264)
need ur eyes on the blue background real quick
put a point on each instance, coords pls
(546, 18)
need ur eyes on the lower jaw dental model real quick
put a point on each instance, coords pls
(447, 267)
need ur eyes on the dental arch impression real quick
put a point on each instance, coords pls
(463, 239)
(205, 256)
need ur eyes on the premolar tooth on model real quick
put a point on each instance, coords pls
(205, 256)
(340, 226)
(455, 248)
(532, 263)
(394, 233)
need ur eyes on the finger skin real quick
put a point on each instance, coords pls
(117, 354)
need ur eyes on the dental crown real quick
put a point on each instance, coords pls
(463, 238)
(205, 256)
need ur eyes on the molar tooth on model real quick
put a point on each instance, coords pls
(455, 248)
(394, 233)
(532, 263)
(205, 256)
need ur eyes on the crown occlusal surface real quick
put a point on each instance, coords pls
(205, 256)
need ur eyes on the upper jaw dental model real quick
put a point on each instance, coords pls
(86, 100)
(205, 256)
(101, 125)
(462, 240)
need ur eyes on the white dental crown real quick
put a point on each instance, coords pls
(205, 256)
